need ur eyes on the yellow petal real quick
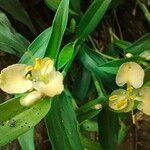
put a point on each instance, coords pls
(145, 104)
(31, 98)
(118, 99)
(47, 66)
(53, 87)
(13, 80)
(145, 93)
(131, 73)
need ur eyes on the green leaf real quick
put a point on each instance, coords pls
(147, 75)
(62, 124)
(122, 44)
(58, 28)
(89, 125)
(113, 66)
(15, 8)
(4, 20)
(81, 85)
(65, 55)
(122, 132)
(108, 129)
(26, 140)
(140, 45)
(89, 144)
(16, 119)
(92, 17)
(12, 40)
(91, 61)
(37, 48)
(75, 5)
(52, 4)
(88, 110)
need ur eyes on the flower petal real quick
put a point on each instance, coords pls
(145, 104)
(118, 99)
(12, 79)
(131, 73)
(31, 98)
(53, 87)
(47, 66)
(43, 68)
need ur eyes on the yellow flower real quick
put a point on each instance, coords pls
(41, 79)
(120, 100)
(130, 73)
(144, 106)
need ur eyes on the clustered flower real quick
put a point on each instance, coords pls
(122, 100)
(39, 80)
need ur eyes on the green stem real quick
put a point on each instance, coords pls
(112, 34)
(99, 86)
(95, 48)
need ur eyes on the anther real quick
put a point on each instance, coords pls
(29, 68)
(113, 97)
(121, 103)
(37, 65)
(28, 76)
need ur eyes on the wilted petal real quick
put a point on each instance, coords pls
(53, 87)
(31, 98)
(131, 73)
(12, 79)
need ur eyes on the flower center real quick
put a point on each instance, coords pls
(38, 63)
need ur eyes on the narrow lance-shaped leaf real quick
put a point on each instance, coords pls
(65, 55)
(140, 45)
(37, 48)
(26, 140)
(15, 8)
(11, 41)
(62, 124)
(58, 28)
(15, 121)
(108, 129)
(92, 17)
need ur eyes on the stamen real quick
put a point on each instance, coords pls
(121, 103)
(29, 68)
(113, 97)
(130, 89)
(28, 76)
(37, 65)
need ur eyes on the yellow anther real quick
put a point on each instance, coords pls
(28, 76)
(29, 68)
(121, 103)
(113, 97)
(37, 65)
(130, 89)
